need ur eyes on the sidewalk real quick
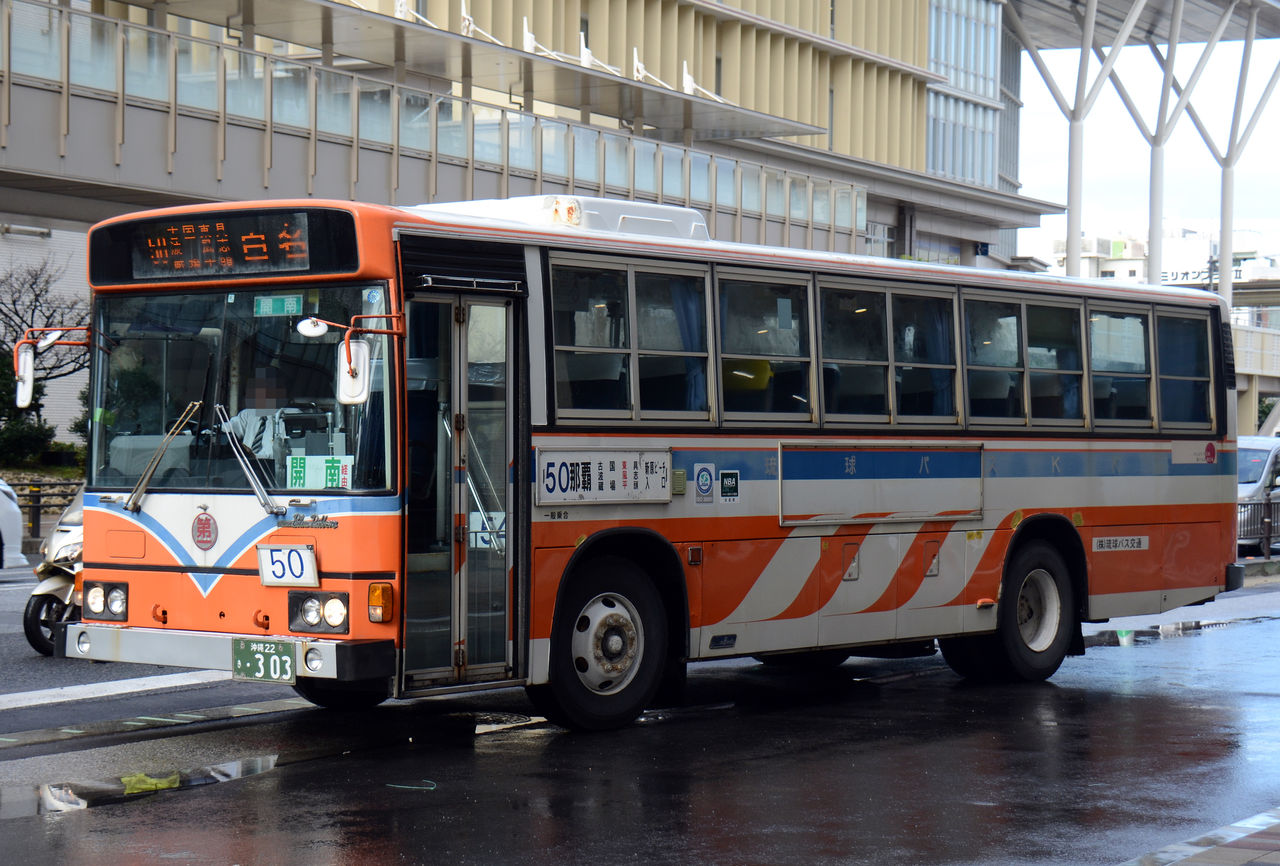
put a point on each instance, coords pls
(1253, 840)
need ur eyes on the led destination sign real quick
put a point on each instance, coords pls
(243, 244)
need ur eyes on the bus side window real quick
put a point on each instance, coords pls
(1054, 359)
(924, 356)
(1119, 356)
(993, 336)
(855, 353)
(590, 330)
(765, 347)
(1183, 351)
(671, 332)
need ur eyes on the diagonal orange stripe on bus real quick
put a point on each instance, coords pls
(825, 577)
(910, 572)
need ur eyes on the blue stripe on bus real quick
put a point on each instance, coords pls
(814, 465)
(819, 464)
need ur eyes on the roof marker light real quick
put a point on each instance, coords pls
(567, 211)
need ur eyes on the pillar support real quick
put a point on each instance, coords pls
(1086, 94)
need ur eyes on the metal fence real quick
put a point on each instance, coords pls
(1256, 525)
(45, 500)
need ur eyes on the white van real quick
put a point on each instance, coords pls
(1257, 466)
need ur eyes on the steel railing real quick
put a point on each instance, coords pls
(35, 499)
(1255, 524)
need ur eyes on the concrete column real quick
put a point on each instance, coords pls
(1155, 214)
(1075, 192)
(1246, 404)
(617, 34)
(731, 77)
(1226, 250)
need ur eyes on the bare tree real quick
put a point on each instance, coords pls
(28, 300)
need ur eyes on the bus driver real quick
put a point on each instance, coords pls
(255, 424)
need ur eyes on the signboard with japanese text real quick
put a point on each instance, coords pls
(589, 476)
(232, 244)
(318, 472)
(253, 243)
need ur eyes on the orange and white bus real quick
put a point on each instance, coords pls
(572, 444)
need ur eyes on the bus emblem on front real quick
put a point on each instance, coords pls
(204, 531)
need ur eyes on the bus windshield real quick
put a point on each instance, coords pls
(241, 350)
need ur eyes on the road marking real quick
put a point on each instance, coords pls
(107, 728)
(89, 691)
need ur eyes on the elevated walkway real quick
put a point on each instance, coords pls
(1257, 353)
(100, 115)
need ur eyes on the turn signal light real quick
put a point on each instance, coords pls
(380, 604)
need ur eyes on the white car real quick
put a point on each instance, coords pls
(1258, 466)
(11, 523)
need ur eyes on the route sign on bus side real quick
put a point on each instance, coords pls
(590, 476)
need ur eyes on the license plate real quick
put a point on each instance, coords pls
(263, 660)
(287, 565)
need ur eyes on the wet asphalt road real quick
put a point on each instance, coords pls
(1125, 751)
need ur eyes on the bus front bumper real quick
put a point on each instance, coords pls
(340, 660)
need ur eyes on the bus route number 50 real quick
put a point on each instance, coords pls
(287, 565)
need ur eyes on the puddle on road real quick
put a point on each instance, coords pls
(52, 799)
(1137, 637)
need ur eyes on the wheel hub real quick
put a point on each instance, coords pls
(607, 643)
(1039, 610)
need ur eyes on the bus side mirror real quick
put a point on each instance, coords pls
(353, 375)
(25, 374)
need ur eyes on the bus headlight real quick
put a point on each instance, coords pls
(106, 600)
(311, 609)
(317, 612)
(335, 612)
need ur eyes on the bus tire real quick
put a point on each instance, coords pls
(608, 648)
(333, 695)
(1036, 613)
(974, 657)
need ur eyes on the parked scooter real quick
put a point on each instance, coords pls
(56, 597)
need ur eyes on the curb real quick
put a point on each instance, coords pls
(1248, 841)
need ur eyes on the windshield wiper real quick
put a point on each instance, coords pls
(259, 489)
(134, 502)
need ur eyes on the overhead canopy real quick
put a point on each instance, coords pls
(1056, 23)
(385, 41)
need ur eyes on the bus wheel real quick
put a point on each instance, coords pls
(1036, 613)
(334, 695)
(608, 647)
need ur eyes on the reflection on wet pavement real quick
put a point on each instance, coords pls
(1132, 637)
(69, 797)
(26, 801)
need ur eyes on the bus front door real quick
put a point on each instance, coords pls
(458, 396)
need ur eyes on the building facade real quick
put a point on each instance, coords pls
(883, 127)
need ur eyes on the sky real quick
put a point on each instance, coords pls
(1117, 158)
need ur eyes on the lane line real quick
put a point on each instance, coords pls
(89, 691)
